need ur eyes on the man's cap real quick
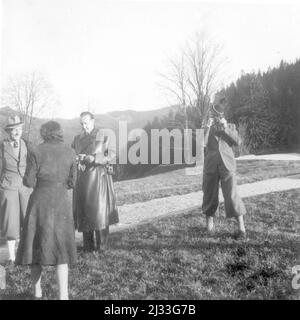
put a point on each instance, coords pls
(219, 104)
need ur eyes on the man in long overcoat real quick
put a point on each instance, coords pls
(94, 198)
(13, 194)
(220, 165)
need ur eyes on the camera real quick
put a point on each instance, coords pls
(217, 117)
(217, 123)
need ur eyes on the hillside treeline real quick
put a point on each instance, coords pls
(264, 106)
(173, 120)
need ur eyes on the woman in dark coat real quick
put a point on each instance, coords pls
(48, 237)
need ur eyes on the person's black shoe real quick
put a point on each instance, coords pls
(240, 235)
(88, 249)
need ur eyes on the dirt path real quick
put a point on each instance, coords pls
(136, 213)
(132, 214)
(277, 156)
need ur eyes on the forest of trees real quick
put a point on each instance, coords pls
(264, 106)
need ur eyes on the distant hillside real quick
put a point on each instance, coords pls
(71, 127)
(138, 119)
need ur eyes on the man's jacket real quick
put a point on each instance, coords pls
(218, 145)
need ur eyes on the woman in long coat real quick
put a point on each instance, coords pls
(48, 237)
(94, 197)
(13, 194)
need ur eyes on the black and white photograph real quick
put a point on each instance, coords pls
(149, 152)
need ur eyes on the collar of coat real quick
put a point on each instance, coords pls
(85, 140)
(93, 134)
(9, 149)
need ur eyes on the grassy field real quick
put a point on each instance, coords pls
(174, 258)
(177, 182)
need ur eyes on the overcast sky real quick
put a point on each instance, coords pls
(109, 53)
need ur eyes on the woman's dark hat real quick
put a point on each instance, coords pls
(13, 122)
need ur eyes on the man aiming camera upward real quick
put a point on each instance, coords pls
(220, 166)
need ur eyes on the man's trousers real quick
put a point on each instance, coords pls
(234, 205)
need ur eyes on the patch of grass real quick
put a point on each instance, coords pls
(174, 258)
(177, 182)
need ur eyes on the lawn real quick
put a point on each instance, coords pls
(177, 182)
(173, 258)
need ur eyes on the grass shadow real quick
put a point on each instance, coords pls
(16, 296)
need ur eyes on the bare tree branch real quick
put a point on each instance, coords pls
(194, 76)
(30, 95)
